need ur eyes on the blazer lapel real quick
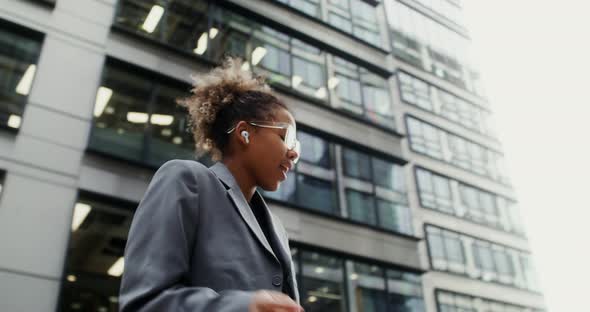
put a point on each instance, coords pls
(283, 250)
(239, 201)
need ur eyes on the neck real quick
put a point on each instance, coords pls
(244, 180)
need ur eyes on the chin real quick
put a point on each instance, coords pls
(271, 187)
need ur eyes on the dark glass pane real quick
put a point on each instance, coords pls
(356, 164)
(316, 194)
(400, 303)
(121, 113)
(97, 242)
(389, 175)
(233, 35)
(18, 64)
(393, 216)
(179, 23)
(314, 150)
(170, 136)
(136, 117)
(185, 24)
(322, 287)
(361, 207)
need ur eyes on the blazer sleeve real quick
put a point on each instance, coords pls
(157, 254)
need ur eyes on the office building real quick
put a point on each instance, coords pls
(401, 200)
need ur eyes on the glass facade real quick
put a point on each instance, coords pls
(448, 9)
(94, 263)
(454, 302)
(478, 259)
(136, 117)
(356, 17)
(332, 284)
(375, 191)
(362, 93)
(19, 54)
(286, 61)
(419, 93)
(94, 267)
(442, 145)
(431, 46)
(374, 188)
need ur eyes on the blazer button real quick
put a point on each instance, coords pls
(277, 280)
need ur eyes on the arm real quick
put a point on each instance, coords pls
(158, 248)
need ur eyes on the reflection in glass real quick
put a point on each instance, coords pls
(322, 288)
(405, 292)
(19, 52)
(314, 150)
(92, 274)
(136, 117)
(362, 92)
(356, 164)
(316, 194)
(361, 207)
(368, 285)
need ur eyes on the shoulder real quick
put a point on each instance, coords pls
(182, 171)
(182, 168)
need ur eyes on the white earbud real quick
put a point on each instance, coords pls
(245, 134)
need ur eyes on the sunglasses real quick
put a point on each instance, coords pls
(290, 138)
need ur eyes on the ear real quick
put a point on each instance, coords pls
(243, 126)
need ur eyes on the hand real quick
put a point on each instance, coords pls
(272, 301)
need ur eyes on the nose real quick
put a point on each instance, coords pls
(293, 156)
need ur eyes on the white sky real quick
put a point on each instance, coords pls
(534, 56)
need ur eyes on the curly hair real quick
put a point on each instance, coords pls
(222, 97)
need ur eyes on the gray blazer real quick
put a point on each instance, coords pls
(195, 245)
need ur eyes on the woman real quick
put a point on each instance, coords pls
(203, 239)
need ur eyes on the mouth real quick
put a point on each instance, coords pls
(284, 170)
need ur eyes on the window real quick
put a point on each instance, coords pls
(424, 138)
(211, 32)
(355, 17)
(446, 250)
(480, 206)
(455, 302)
(361, 92)
(322, 282)
(528, 272)
(405, 292)
(178, 23)
(19, 54)
(361, 207)
(325, 279)
(512, 220)
(375, 191)
(431, 46)
(356, 164)
(311, 184)
(449, 9)
(368, 287)
(442, 103)
(484, 260)
(478, 259)
(414, 91)
(428, 140)
(374, 188)
(95, 254)
(136, 116)
(434, 191)
(448, 302)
